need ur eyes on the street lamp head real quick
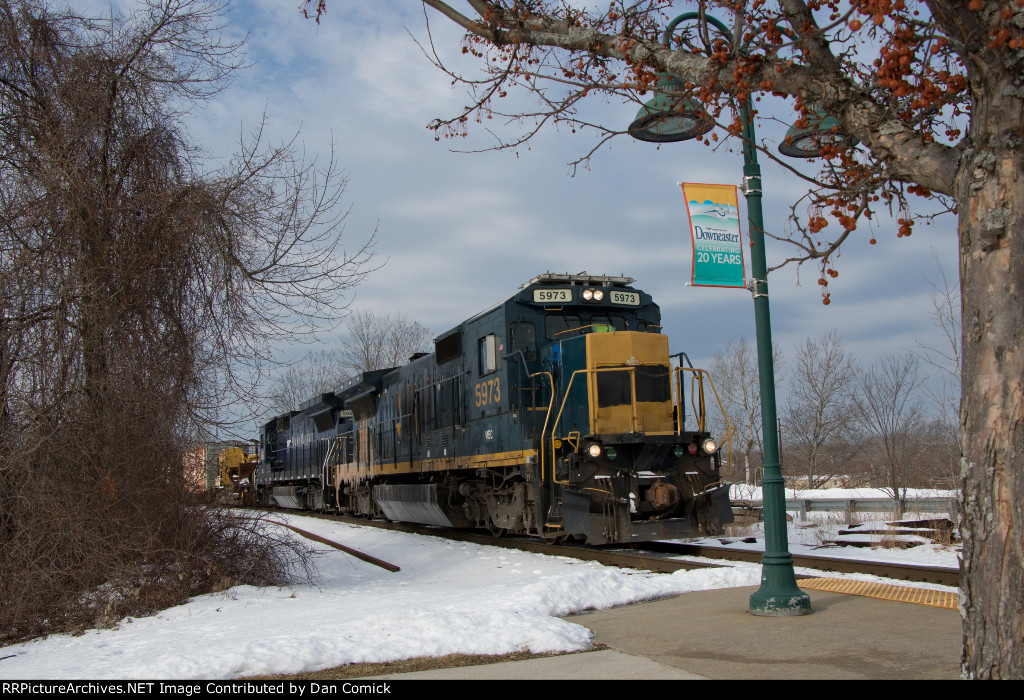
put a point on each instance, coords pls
(823, 130)
(670, 117)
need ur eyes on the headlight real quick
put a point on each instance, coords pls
(594, 450)
(709, 446)
(588, 294)
(598, 295)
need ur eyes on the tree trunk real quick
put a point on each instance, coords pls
(991, 229)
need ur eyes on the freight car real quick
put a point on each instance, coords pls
(236, 468)
(557, 413)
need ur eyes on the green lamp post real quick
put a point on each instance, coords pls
(665, 119)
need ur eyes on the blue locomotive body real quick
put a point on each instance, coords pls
(555, 413)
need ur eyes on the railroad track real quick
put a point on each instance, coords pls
(901, 572)
(651, 561)
(660, 556)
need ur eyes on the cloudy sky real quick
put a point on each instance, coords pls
(459, 231)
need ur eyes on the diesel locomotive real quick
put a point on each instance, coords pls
(558, 413)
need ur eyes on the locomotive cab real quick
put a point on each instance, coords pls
(625, 467)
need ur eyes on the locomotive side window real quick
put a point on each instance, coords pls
(487, 354)
(560, 327)
(524, 338)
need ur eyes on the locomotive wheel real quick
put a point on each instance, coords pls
(555, 537)
(497, 531)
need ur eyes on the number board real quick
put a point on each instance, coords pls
(552, 296)
(487, 392)
(626, 298)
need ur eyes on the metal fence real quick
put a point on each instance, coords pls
(852, 506)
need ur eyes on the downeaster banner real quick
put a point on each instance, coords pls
(715, 231)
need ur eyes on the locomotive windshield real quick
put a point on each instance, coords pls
(616, 322)
(524, 338)
(561, 326)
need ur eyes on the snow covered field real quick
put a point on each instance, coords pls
(811, 535)
(449, 597)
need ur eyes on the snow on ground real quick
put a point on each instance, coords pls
(805, 539)
(449, 597)
(811, 536)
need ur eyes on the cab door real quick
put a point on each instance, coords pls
(487, 386)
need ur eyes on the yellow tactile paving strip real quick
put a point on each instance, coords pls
(885, 591)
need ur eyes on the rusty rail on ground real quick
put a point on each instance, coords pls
(348, 550)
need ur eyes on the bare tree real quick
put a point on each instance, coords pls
(370, 341)
(946, 357)
(938, 465)
(890, 414)
(318, 373)
(735, 373)
(818, 414)
(378, 341)
(135, 282)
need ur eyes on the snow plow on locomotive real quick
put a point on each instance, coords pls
(556, 413)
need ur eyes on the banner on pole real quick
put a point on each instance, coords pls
(715, 231)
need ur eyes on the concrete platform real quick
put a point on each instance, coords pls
(604, 665)
(711, 635)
